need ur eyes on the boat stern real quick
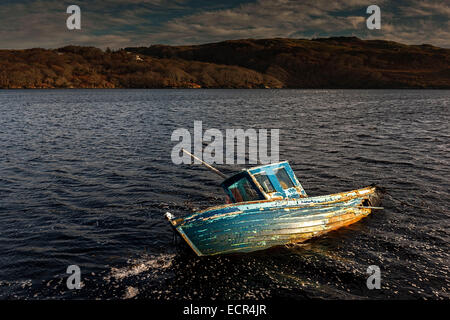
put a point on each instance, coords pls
(375, 197)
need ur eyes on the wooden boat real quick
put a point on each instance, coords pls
(269, 207)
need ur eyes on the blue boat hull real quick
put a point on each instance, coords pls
(258, 225)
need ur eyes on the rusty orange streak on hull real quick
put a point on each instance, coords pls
(334, 223)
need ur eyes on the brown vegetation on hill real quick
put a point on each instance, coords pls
(88, 67)
(267, 63)
(344, 62)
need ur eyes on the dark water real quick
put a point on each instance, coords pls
(86, 176)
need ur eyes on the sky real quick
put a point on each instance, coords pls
(119, 23)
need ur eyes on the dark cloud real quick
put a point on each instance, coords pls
(117, 23)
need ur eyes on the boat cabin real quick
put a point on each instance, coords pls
(266, 182)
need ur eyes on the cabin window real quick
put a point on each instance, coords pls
(284, 179)
(242, 190)
(264, 182)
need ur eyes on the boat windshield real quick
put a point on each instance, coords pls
(242, 190)
(283, 178)
(264, 181)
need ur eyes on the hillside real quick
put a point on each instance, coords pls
(267, 63)
(88, 67)
(325, 63)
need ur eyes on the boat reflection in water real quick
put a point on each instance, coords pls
(269, 207)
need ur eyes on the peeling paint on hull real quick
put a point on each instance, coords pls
(258, 225)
